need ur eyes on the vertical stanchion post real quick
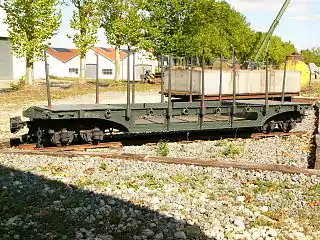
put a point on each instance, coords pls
(267, 83)
(234, 86)
(169, 95)
(284, 81)
(133, 77)
(128, 112)
(162, 80)
(220, 84)
(97, 79)
(310, 77)
(47, 78)
(202, 112)
(191, 79)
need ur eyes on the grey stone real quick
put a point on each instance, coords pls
(180, 235)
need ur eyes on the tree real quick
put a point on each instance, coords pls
(123, 25)
(187, 27)
(85, 21)
(311, 55)
(31, 23)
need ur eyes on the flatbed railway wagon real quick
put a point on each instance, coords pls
(55, 125)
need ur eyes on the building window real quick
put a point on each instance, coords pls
(107, 71)
(73, 70)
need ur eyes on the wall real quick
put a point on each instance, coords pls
(3, 27)
(141, 58)
(6, 61)
(60, 69)
(104, 63)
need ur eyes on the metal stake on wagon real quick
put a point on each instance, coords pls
(202, 110)
(134, 77)
(169, 95)
(220, 83)
(128, 112)
(234, 86)
(284, 80)
(190, 86)
(162, 83)
(97, 79)
(267, 83)
(47, 78)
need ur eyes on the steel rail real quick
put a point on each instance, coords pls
(167, 160)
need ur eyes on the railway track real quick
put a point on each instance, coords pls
(118, 144)
(80, 151)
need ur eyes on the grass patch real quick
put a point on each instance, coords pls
(194, 182)
(231, 149)
(162, 149)
(313, 91)
(85, 181)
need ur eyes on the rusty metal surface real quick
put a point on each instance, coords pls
(166, 160)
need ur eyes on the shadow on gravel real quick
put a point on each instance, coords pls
(33, 207)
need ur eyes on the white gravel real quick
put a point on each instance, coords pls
(91, 198)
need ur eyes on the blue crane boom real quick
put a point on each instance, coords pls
(271, 30)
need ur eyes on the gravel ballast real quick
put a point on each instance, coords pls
(90, 198)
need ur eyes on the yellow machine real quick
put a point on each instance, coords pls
(295, 63)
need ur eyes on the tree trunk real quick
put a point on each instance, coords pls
(29, 71)
(117, 74)
(82, 78)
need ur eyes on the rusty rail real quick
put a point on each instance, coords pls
(166, 160)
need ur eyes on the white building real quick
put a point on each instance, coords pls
(11, 68)
(65, 63)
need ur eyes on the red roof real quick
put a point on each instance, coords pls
(110, 53)
(66, 54)
(63, 54)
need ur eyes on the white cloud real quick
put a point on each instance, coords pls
(295, 6)
(305, 17)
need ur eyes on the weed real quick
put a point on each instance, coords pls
(260, 222)
(151, 181)
(132, 184)
(222, 143)
(19, 85)
(231, 150)
(212, 196)
(162, 149)
(194, 182)
(83, 182)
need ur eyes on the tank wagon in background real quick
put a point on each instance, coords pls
(55, 125)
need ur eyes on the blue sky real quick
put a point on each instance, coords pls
(300, 23)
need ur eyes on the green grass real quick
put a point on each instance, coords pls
(231, 150)
(162, 149)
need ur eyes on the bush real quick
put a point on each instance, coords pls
(19, 85)
(162, 149)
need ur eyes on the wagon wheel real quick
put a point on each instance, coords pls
(286, 126)
(265, 128)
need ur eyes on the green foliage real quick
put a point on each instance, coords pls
(231, 150)
(85, 21)
(30, 25)
(122, 22)
(19, 85)
(162, 149)
(311, 56)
